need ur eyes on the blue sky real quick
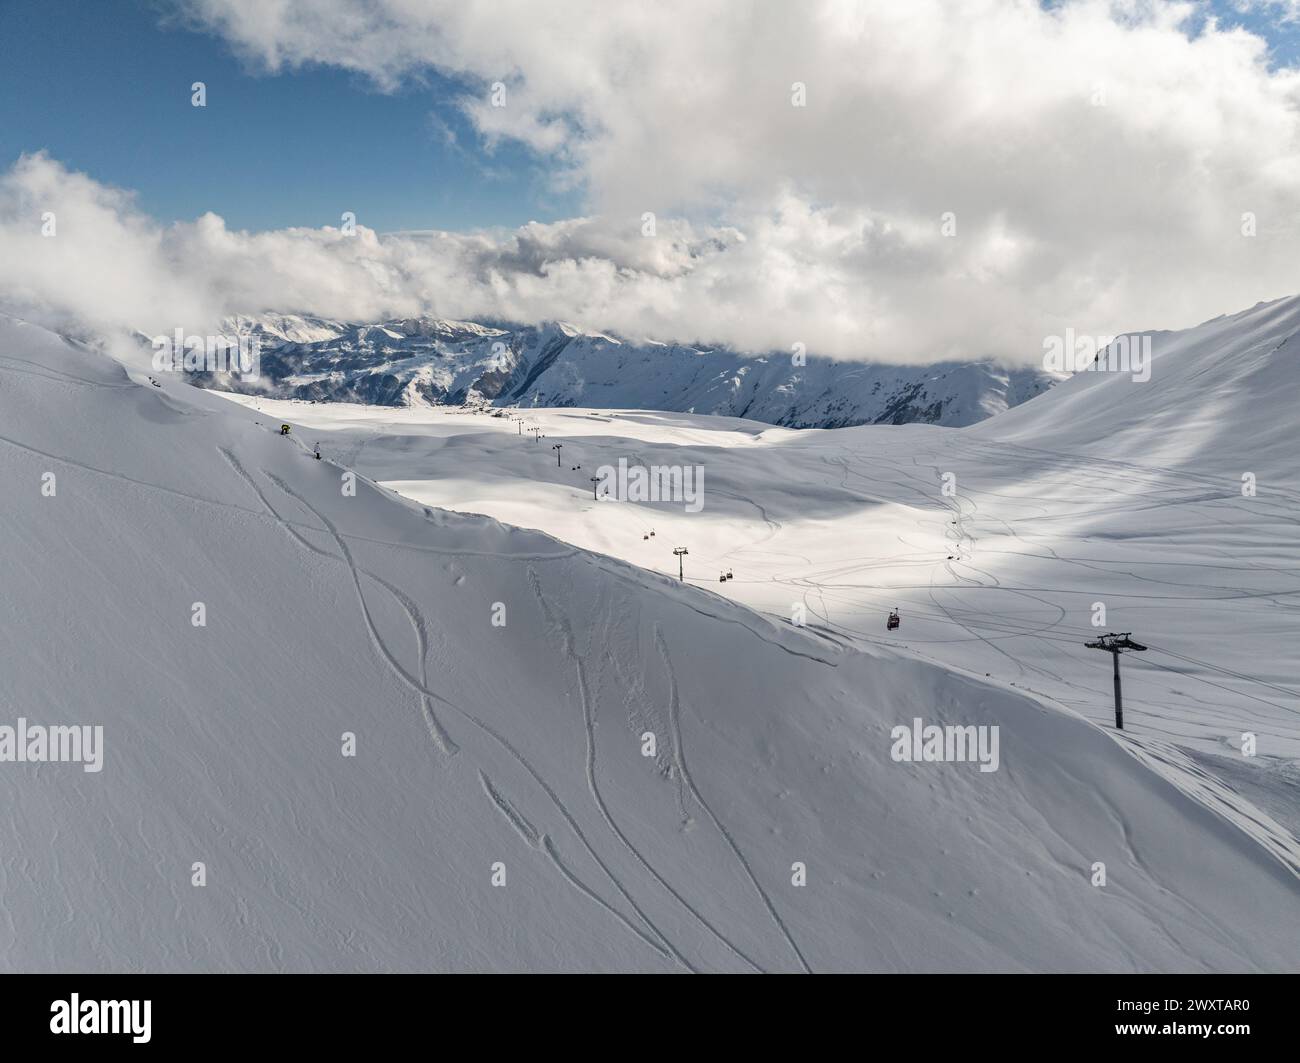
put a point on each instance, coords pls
(105, 88)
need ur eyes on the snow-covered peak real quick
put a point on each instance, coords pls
(560, 363)
(283, 328)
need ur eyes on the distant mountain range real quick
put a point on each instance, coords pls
(429, 361)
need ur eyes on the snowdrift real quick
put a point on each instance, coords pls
(511, 753)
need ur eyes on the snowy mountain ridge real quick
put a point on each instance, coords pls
(430, 361)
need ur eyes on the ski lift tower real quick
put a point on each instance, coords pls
(556, 447)
(680, 552)
(1115, 645)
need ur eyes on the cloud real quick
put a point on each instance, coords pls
(963, 180)
(77, 254)
(108, 266)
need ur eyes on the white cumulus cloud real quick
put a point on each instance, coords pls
(962, 179)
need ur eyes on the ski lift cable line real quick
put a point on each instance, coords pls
(1243, 595)
(1002, 631)
(1007, 628)
(855, 632)
(1225, 671)
(1220, 686)
(1060, 633)
(992, 618)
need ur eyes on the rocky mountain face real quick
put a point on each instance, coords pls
(429, 361)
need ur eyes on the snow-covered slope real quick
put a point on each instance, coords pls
(512, 749)
(1221, 399)
(1164, 507)
(428, 361)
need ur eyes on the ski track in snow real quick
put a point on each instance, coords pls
(437, 732)
(561, 626)
(658, 943)
(674, 714)
(531, 835)
(382, 648)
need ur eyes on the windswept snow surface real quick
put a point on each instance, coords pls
(521, 745)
